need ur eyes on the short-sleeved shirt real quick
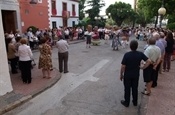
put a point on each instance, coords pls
(132, 61)
(153, 52)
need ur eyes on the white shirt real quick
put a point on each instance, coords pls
(88, 33)
(66, 32)
(24, 53)
(153, 52)
(30, 35)
(62, 46)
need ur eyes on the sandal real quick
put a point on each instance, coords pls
(44, 76)
(146, 93)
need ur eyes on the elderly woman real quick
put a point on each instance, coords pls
(11, 51)
(25, 54)
(45, 61)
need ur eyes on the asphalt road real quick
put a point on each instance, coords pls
(92, 86)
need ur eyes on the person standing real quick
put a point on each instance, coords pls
(11, 54)
(25, 55)
(130, 72)
(31, 39)
(153, 52)
(161, 45)
(45, 61)
(63, 54)
(88, 35)
(168, 52)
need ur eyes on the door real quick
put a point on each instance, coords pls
(9, 20)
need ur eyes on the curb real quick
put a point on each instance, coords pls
(142, 109)
(24, 99)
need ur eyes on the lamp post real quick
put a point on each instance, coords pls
(161, 12)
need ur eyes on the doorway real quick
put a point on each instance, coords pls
(9, 20)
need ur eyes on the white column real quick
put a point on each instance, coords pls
(5, 82)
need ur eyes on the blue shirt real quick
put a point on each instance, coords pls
(161, 46)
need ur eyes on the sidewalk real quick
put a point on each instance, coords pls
(162, 99)
(23, 92)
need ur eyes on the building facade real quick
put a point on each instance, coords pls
(64, 13)
(9, 18)
(34, 14)
(10, 15)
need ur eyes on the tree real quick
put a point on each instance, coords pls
(150, 7)
(119, 12)
(141, 18)
(81, 9)
(95, 6)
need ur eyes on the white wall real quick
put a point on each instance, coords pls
(59, 8)
(12, 5)
(57, 20)
(5, 82)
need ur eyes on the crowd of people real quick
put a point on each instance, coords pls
(155, 59)
(158, 52)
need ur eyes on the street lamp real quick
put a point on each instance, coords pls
(161, 12)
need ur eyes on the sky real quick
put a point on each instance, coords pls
(108, 2)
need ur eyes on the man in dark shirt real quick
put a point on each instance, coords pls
(130, 72)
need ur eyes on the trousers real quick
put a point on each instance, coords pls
(63, 58)
(131, 82)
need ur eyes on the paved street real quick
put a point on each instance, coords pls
(92, 86)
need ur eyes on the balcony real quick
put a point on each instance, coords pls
(65, 14)
(73, 13)
(54, 11)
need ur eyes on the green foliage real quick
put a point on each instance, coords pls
(34, 29)
(110, 21)
(119, 12)
(141, 18)
(94, 11)
(171, 18)
(171, 26)
(150, 7)
(81, 9)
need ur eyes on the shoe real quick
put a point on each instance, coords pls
(146, 93)
(124, 103)
(153, 86)
(167, 70)
(14, 72)
(66, 72)
(61, 71)
(135, 104)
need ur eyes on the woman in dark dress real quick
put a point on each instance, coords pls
(168, 52)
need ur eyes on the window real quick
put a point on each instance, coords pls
(54, 10)
(73, 10)
(64, 6)
(53, 4)
(73, 7)
(54, 24)
(73, 23)
(40, 1)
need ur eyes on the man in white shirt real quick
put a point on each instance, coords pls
(153, 52)
(30, 37)
(63, 54)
